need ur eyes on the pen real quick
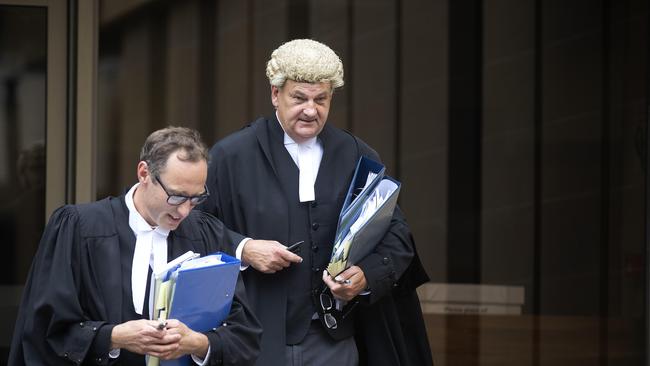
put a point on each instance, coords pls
(342, 282)
(162, 323)
(295, 247)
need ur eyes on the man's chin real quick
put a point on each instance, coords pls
(171, 223)
(307, 133)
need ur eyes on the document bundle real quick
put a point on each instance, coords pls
(198, 291)
(365, 215)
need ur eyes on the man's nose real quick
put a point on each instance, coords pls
(309, 111)
(185, 208)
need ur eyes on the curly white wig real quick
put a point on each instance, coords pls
(305, 61)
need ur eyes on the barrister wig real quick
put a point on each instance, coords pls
(304, 61)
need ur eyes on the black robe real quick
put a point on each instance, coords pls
(251, 196)
(79, 288)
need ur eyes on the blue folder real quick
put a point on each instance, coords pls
(201, 297)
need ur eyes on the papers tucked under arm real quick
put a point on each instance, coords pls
(365, 216)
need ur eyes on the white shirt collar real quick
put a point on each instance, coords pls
(307, 156)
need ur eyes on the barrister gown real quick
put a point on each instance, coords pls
(254, 190)
(79, 288)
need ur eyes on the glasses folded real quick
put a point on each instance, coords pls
(327, 305)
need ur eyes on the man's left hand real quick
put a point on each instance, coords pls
(191, 342)
(348, 284)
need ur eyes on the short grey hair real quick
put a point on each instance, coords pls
(305, 61)
(164, 142)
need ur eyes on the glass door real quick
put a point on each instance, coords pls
(32, 139)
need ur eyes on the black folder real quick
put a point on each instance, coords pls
(360, 228)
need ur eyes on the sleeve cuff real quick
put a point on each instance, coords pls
(100, 350)
(240, 248)
(201, 362)
(380, 275)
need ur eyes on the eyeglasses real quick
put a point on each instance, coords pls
(177, 199)
(327, 304)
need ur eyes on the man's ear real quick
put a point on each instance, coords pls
(274, 96)
(142, 171)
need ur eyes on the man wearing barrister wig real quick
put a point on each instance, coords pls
(86, 297)
(284, 178)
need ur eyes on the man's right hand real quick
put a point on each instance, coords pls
(144, 337)
(268, 256)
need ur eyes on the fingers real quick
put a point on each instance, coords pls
(185, 341)
(346, 285)
(350, 272)
(274, 260)
(171, 345)
(163, 350)
(268, 256)
(148, 328)
(328, 280)
(338, 288)
(289, 256)
(144, 337)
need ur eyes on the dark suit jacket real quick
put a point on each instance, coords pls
(249, 196)
(75, 293)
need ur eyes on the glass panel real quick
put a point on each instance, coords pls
(518, 130)
(545, 250)
(23, 52)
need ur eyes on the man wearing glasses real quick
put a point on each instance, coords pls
(284, 178)
(87, 298)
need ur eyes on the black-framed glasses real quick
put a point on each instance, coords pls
(177, 199)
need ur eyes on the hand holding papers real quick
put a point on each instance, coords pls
(365, 216)
(196, 291)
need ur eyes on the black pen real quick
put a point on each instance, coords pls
(295, 247)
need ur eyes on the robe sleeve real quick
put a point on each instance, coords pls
(51, 327)
(237, 340)
(220, 199)
(211, 204)
(390, 259)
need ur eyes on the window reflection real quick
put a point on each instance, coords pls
(23, 37)
(23, 47)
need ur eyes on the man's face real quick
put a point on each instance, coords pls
(179, 178)
(302, 108)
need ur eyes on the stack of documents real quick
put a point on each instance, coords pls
(198, 291)
(365, 216)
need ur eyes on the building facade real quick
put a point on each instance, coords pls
(519, 131)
